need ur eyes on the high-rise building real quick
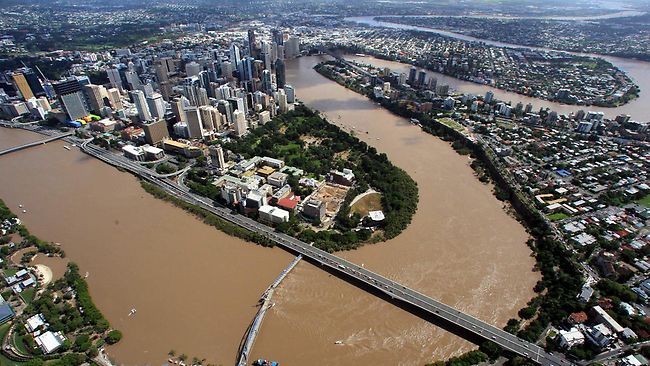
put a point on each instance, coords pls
(133, 80)
(292, 47)
(207, 122)
(277, 36)
(488, 97)
(192, 69)
(71, 98)
(252, 44)
(155, 132)
(225, 109)
(115, 79)
(141, 105)
(412, 74)
(217, 155)
(241, 126)
(291, 93)
(156, 106)
(194, 124)
(280, 75)
(115, 99)
(282, 101)
(162, 73)
(421, 78)
(227, 69)
(95, 95)
(235, 57)
(247, 69)
(433, 83)
(178, 107)
(21, 84)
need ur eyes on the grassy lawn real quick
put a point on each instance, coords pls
(645, 201)
(558, 216)
(20, 344)
(10, 271)
(451, 123)
(370, 202)
(28, 295)
(3, 360)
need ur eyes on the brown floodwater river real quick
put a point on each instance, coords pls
(461, 248)
(195, 289)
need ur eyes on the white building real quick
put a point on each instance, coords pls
(273, 214)
(35, 322)
(134, 153)
(241, 126)
(153, 153)
(570, 338)
(50, 341)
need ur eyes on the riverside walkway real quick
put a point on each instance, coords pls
(253, 330)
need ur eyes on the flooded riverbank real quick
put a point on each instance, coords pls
(194, 288)
(638, 108)
(461, 248)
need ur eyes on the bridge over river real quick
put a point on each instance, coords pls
(431, 309)
(35, 143)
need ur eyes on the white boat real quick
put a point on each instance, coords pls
(66, 147)
(21, 206)
(338, 342)
(132, 312)
(24, 211)
(86, 276)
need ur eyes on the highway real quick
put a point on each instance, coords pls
(345, 268)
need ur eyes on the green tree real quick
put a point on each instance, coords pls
(113, 336)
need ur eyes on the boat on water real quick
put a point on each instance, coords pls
(415, 121)
(132, 312)
(338, 342)
(66, 147)
(262, 362)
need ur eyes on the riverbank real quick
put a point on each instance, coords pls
(638, 108)
(548, 249)
(77, 318)
(460, 248)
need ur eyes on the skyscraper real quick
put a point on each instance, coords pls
(192, 69)
(194, 123)
(252, 45)
(141, 105)
(21, 84)
(291, 93)
(71, 98)
(412, 74)
(279, 73)
(488, 97)
(292, 47)
(115, 79)
(235, 57)
(156, 106)
(240, 123)
(278, 37)
(95, 95)
(217, 155)
(155, 132)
